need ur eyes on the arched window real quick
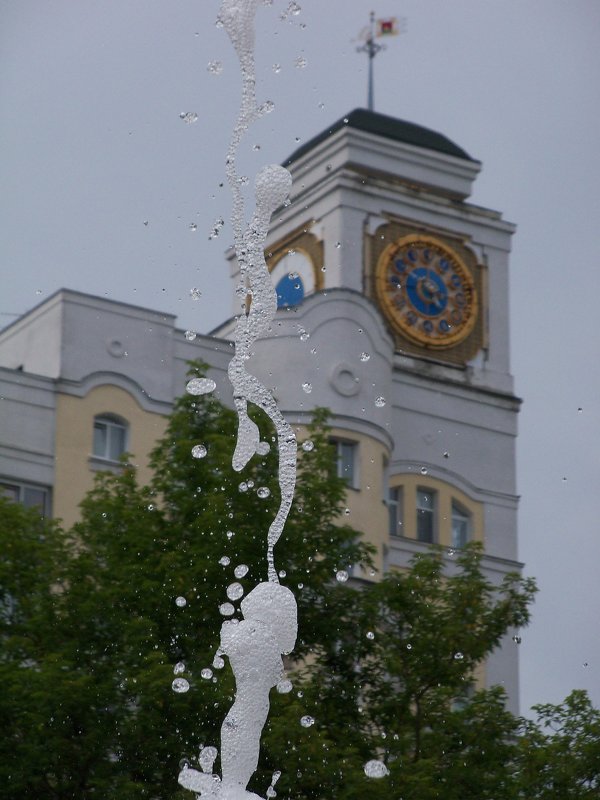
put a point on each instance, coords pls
(346, 461)
(110, 437)
(432, 511)
(426, 509)
(394, 504)
(461, 523)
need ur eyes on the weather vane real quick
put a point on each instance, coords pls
(377, 29)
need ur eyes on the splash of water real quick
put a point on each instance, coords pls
(269, 627)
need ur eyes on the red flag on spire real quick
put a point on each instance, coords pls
(387, 27)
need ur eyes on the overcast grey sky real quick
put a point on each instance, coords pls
(93, 147)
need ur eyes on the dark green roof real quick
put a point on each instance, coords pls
(389, 128)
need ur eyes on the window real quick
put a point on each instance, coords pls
(394, 504)
(460, 526)
(345, 455)
(110, 437)
(26, 494)
(425, 515)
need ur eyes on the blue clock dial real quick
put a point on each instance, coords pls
(427, 291)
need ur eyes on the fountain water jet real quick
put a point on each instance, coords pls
(254, 645)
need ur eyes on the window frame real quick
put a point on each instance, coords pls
(431, 512)
(22, 488)
(459, 509)
(110, 422)
(352, 480)
(395, 504)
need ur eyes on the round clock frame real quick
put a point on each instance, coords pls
(426, 291)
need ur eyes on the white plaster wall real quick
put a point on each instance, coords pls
(27, 422)
(33, 342)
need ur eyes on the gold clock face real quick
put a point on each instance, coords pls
(426, 291)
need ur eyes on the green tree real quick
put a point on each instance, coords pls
(393, 681)
(559, 752)
(90, 633)
(89, 667)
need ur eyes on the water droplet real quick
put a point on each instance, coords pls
(218, 662)
(347, 511)
(216, 228)
(206, 673)
(267, 107)
(180, 602)
(338, 245)
(458, 656)
(409, 646)
(321, 106)
(579, 410)
(240, 570)
(256, 147)
(423, 470)
(250, 484)
(151, 507)
(380, 401)
(180, 685)
(146, 222)
(307, 387)
(263, 448)
(243, 487)
(195, 293)
(192, 226)
(235, 591)
(300, 62)
(284, 687)
(308, 445)
(190, 336)
(346, 120)
(188, 117)
(304, 336)
(199, 451)
(446, 454)
(294, 9)
(365, 356)
(306, 721)
(341, 576)
(516, 639)
(200, 386)
(230, 534)
(226, 609)
(224, 561)
(370, 635)
(376, 769)
(263, 492)
(179, 668)
(282, 573)
(276, 68)
(214, 67)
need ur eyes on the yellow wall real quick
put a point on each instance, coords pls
(74, 472)
(367, 511)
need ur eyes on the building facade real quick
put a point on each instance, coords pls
(393, 312)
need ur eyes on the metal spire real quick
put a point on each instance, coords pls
(385, 27)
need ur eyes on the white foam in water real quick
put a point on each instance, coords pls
(254, 645)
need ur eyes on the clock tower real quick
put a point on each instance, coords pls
(393, 297)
